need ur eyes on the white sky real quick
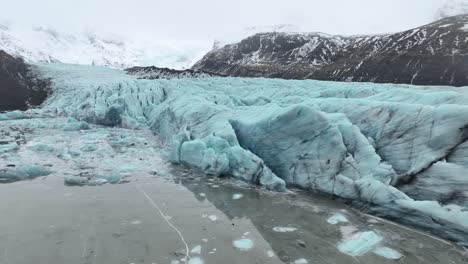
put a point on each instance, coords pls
(193, 20)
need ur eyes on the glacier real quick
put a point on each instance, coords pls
(398, 150)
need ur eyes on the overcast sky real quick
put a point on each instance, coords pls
(209, 19)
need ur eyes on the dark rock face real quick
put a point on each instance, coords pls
(434, 54)
(153, 72)
(20, 88)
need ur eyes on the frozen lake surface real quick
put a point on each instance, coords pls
(161, 213)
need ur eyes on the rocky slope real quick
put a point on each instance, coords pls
(153, 73)
(434, 54)
(19, 86)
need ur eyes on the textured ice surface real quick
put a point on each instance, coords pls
(196, 250)
(243, 244)
(237, 196)
(12, 115)
(23, 172)
(300, 261)
(73, 124)
(385, 145)
(281, 229)
(336, 219)
(8, 147)
(196, 260)
(360, 243)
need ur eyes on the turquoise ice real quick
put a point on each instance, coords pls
(397, 147)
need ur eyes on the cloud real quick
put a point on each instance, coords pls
(200, 20)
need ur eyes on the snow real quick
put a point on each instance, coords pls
(49, 44)
(364, 142)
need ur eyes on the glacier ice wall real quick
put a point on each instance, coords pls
(401, 149)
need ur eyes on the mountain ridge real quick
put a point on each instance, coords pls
(433, 54)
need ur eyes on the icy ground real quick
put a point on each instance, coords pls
(166, 214)
(398, 151)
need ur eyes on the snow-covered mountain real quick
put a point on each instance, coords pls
(434, 54)
(234, 37)
(452, 8)
(47, 44)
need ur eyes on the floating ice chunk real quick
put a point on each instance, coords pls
(8, 147)
(360, 243)
(284, 229)
(92, 181)
(243, 244)
(175, 262)
(337, 218)
(213, 217)
(196, 250)
(23, 172)
(237, 196)
(301, 261)
(195, 260)
(270, 253)
(202, 194)
(75, 181)
(387, 253)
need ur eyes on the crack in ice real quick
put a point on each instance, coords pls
(155, 205)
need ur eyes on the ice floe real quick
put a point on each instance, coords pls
(360, 243)
(336, 219)
(243, 244)
(280, 229)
